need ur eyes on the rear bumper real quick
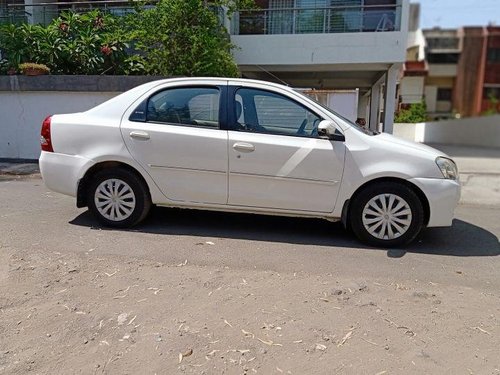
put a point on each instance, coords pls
(443, 196)
(61, 172)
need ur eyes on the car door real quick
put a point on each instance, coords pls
(175, 134)
(276, 159)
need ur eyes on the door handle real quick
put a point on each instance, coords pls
(139, 135)
(244, 147)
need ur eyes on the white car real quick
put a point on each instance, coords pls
(244, 146)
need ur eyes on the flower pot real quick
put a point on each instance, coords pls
(34, 72)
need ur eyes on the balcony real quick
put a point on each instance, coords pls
(313, 20)
(343, 38)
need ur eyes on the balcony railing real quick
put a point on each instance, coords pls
(43, 13)
(303, 20)
(336, 19)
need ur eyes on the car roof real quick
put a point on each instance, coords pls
(242, 80)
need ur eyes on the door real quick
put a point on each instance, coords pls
(276, 159)
(175, 135)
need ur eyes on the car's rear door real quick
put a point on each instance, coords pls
(176, 134)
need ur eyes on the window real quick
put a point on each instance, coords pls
(443, 43)
(185, 106)
(494, 55)
(444, 94)
(379, 15)
(491, 92)
(266, 112)
(443, 58)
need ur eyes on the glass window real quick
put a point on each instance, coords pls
(443, 58)
(444, 94)
(491, 92)
(266, 112)
(192, 106)
(494, 55)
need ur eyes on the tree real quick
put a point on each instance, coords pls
(493, 107)
(183, 38)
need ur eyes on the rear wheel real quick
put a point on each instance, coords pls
(387, 214)
(118, 198)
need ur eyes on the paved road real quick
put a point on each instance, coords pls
(242, 293)
(31, 216)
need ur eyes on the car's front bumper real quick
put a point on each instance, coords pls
(61, 172)
(443, 196)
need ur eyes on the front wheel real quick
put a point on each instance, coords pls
(386, 214)
(118, 198)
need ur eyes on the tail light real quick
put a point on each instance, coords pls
(45, 139)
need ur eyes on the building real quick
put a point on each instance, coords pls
(415, 68)
(477, 88)
(326, 45)
(443, 50)
(344, 45)
(455, 71)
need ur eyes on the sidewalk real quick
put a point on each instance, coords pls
(473, 160)
(18, 168)
(479, 172)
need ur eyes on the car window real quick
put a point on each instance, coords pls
(267, 112)
(190, 106)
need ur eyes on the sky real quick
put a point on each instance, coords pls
(456, 13)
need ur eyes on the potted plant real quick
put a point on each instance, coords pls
(32, 69)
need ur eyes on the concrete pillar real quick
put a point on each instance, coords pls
(362, 106)
(375, 106)
(390, 98)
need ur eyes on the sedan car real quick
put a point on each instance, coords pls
(244, 146)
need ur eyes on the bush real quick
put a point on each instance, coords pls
(416, 112)
(493, 106)
(175, 37)
(71, 44)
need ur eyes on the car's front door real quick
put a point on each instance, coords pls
(276, 159)
(176, 136)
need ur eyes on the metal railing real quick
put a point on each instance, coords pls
(298, 20)
(43, 13)
(335, 19)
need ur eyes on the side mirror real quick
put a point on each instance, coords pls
(328, 130)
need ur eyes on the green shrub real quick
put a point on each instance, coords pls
(71, 44)
(417, 112)
(493, 106)
(175, 37)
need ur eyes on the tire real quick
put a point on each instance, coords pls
(124, 207)
(397, 225)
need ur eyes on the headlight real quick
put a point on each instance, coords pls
(448, 168)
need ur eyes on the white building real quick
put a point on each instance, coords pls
(328, 44)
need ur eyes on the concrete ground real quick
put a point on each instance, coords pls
(191, 292)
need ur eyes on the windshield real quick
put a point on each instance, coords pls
(344, 119)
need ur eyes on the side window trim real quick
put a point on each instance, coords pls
(232, 91)
(139, 114)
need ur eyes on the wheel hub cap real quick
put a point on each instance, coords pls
(115, 199)
(387, 216)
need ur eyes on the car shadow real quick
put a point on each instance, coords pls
(462, 239)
